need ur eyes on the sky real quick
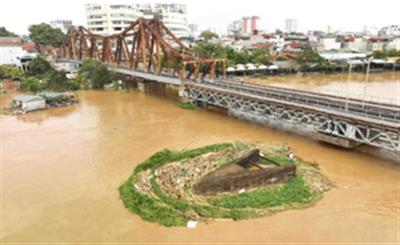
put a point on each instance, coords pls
(344, 15)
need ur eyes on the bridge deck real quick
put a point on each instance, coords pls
(337, 113)
(366, 109)
(351, 108)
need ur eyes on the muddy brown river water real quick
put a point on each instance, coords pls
(61, 168)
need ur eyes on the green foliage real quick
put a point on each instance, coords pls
(148, 208)
(44, 34)
(279, 160)
(73, 85)
(208, 35)
(30, 84)
(56, 80)
(170, 211)
(282, 58)
(165, 156)
(5, 33)
(11, 72)
(186, 106)
(258, 56)
(96, 74)
(294, 192)
(153, 209)
(39, 66)
(309, 58)
(385, 53)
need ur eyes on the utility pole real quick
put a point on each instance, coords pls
(348, 82)
(367, 78)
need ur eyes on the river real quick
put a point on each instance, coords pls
(61, 168)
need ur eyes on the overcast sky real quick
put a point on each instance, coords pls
(352, 15)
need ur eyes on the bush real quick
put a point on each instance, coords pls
(96, 73)
(56, 80)
(30, 84)
(11, 72)
(73, 85)
(39, 66)
(296, 191)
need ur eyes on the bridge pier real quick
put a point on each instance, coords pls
(342, 142)
(147, 85)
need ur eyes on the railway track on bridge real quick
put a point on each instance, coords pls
(347, 120)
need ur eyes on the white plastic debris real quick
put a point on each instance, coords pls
(242, 190)
(261, 154)
(191, 224)
(291, 156)
(136, 186)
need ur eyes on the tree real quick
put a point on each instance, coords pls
(385, 53)
(56, 80)
(5, 33)
(96, 74)
(260, 56)
(44, 34)
(210, 50)
(309, 58)
(208, 35)
(39, 66)
(30, 84)
(11, 72)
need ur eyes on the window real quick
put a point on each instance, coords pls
(95, 16)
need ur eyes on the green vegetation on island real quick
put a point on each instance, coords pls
(154, 204)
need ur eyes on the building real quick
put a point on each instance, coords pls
(11, 51)
(329, 43)
(246, 26)
(28, 103)
(63, 25)
(194, 30)
(108, 19)
(291, 25)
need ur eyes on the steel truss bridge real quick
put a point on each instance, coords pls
(148, 50)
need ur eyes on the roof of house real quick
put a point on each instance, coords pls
(10, 41)
(27, 98)
(50, 95)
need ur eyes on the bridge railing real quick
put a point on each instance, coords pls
(372, 111)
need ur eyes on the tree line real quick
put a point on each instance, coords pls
(42, 76)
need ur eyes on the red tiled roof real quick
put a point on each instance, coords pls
(10, 41)
(29, 47)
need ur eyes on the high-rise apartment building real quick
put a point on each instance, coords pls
(291, 25)
(107, 19)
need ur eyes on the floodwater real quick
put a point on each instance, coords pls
(381, 87)
(61, 169)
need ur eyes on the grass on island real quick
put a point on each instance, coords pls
(295, 191)
(170, 211)
(186, 106)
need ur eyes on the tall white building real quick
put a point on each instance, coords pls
(107, 19)
(63, 25)
(291, 25)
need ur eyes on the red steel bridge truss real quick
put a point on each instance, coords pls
(145, 45)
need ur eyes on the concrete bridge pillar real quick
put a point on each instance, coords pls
(334, 140)
(146, 85)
